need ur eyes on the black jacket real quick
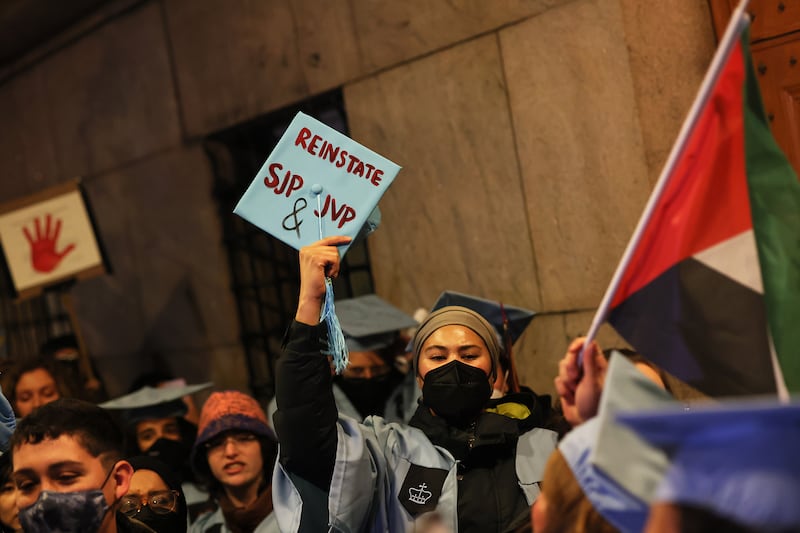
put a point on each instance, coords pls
(306, 425)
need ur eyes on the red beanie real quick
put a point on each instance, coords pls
(227, 410)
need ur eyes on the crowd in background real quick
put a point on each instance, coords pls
(428, 429)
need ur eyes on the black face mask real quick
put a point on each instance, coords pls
(369, 396)
(456, 391)
(162, 523)
(174, 453)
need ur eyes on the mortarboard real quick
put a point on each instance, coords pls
(492, 310)
(617, 470)
(316, 183)
(736, 459)
(153, 402)
(370, 323)
(626, 388)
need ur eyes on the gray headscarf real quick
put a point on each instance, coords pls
(455, 315)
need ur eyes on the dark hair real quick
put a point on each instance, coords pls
(25, 366)
(167, 474)
(54, 344)
(5, 468)
(5, 477)
(187, 430)
(397, 347)
(92, 426)
(269, 452)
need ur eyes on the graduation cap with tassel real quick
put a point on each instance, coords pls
(313, 165)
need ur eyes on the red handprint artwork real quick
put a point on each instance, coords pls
(44, 256)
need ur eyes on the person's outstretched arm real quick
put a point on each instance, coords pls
(306, 417)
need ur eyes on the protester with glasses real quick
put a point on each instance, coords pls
(155, 425)
(155, 496)
(233, 455)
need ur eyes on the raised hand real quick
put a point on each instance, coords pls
(317, 261)
(44, 256)
(579, 387)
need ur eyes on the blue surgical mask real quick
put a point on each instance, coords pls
(66, 512)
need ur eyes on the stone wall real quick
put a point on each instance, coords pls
(530, 132)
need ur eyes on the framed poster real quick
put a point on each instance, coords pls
(49, 238)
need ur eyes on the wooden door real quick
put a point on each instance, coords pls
(775, 46)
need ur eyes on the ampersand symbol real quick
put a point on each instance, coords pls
(44, 256)
(293, 216)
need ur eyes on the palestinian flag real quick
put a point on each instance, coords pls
(711, 292)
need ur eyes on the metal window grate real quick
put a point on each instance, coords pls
(264, 271)
(28, 324)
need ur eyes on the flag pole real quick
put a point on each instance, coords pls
(739, 21)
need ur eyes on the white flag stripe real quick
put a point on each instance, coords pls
(738, 23)
(736, 258)
(780, 383)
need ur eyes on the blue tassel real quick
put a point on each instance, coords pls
(337, 346)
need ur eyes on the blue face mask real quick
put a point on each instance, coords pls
(66, 512)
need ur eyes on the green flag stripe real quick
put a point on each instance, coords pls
(775, 204)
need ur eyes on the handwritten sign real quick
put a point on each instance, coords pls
(315, 176)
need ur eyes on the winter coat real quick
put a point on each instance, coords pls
(214, 522)
(377, 476)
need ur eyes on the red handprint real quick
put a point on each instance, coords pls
(43, 250)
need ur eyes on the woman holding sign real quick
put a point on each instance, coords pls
(479, 471)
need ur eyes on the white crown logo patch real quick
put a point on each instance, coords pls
(421, 489)
(419, 494)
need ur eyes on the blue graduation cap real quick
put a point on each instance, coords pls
(153, 402)
(503, 317)
(316, 183)
(370, 323)
(737, 460)
(616, 469)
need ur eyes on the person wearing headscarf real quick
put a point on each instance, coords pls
(478, 470)
(234, 455)
(155, 496)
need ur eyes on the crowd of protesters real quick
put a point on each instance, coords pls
(428, 429)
